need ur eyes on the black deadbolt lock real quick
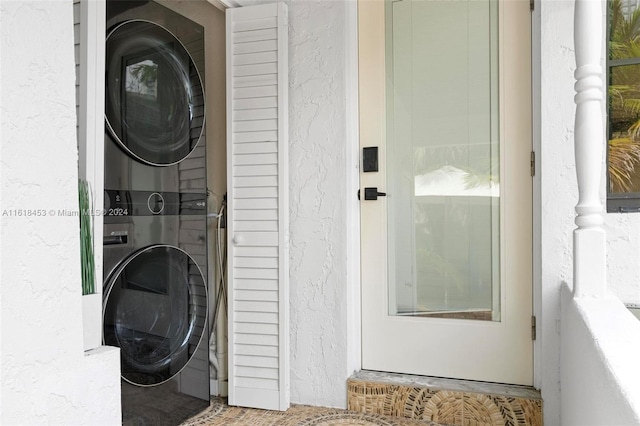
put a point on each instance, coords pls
(370, 159)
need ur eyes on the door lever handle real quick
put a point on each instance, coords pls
(372, 194)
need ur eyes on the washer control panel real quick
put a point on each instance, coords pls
(119, 203)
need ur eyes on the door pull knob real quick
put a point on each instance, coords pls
(372, 194)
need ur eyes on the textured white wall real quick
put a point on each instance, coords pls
(599, 359)
(558, 188)
(623, 256)
(46, 376)
(317, 158)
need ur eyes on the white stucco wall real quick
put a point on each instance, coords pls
(623, 256)
(558, 189)
(599, 359)
(47, 378)
(318, 240)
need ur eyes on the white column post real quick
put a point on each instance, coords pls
(589, 255)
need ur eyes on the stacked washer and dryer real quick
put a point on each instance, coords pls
(155, 251)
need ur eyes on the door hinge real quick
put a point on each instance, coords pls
(532, 5)
(533, 163)
(533, 328)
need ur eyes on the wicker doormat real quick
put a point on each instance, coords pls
(444, 406)
(298, 415)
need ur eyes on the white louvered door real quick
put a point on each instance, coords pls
(257, 225)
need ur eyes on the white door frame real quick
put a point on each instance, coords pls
(352, 173)
(537, 197)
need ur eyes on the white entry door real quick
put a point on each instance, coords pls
(445, 96)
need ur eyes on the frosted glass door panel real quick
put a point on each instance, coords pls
(443, 151)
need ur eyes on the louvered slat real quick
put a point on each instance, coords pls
(261, 317)
(256, 295)
(259, 170)
(256, 361)
(255, 159)
(257, 251)
(256, 80)
(259, 285)
(262, 225)
(257, 58)
(256, 214)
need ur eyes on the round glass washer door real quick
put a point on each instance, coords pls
(154, 106)
(155, 311)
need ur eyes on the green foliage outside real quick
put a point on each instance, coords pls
(87, 260)
(624, 100)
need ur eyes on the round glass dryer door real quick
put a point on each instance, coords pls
(155, 311)
(154, 94)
